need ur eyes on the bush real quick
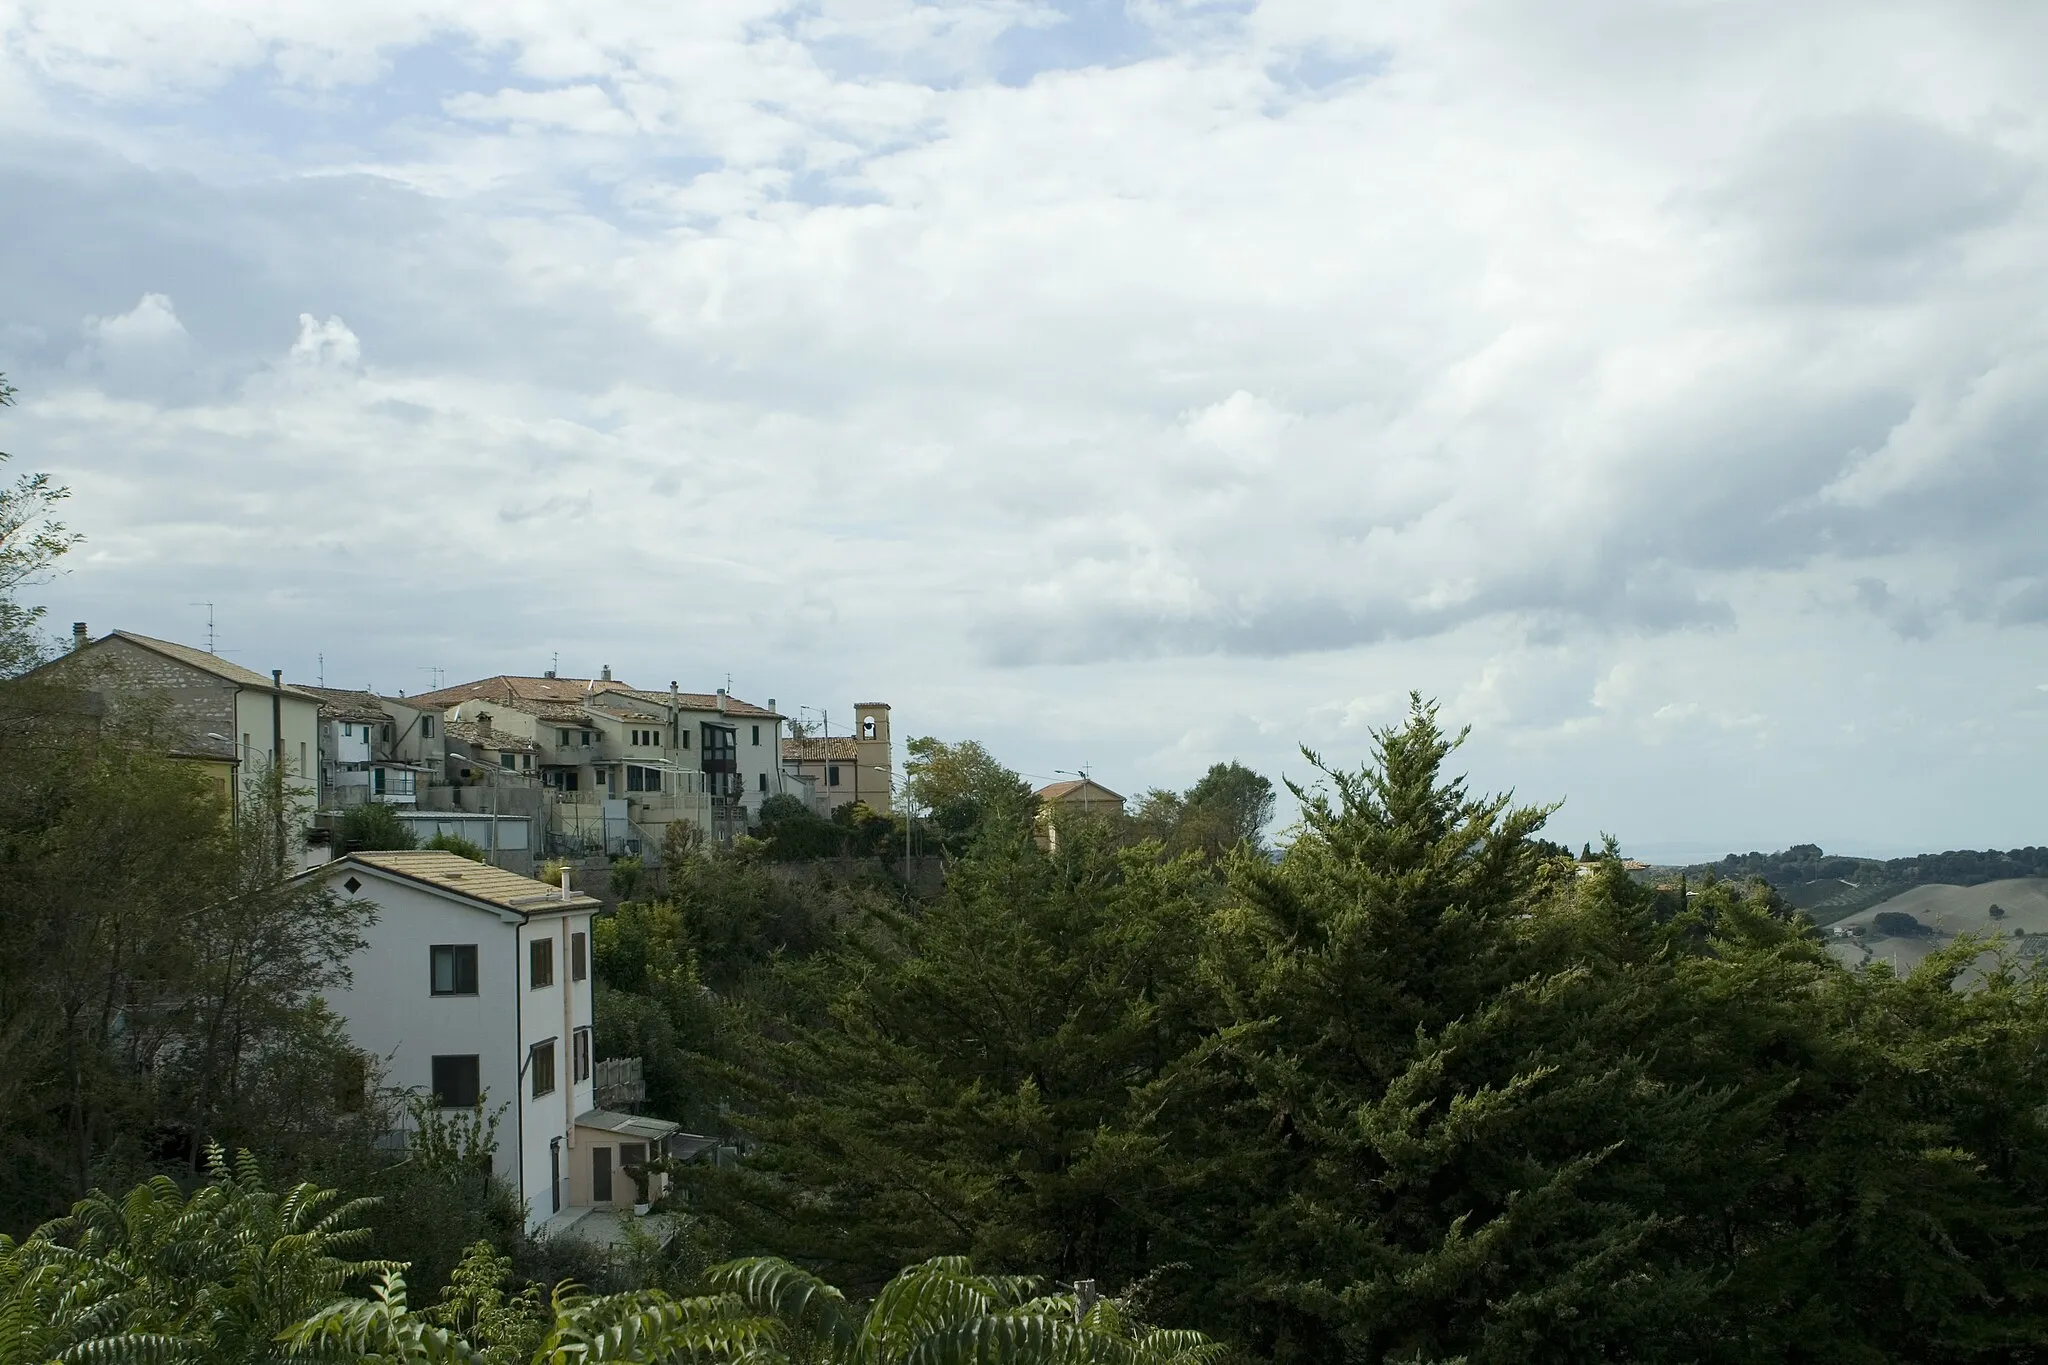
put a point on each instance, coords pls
(1899, 924)
(456, 844)
(373, 826)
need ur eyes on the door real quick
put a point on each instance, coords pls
(600, 1175)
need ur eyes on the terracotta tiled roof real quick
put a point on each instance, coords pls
(474, 736)
(452, 872)
(707, 701)
(507, 687)
(204, 662)
(338, 703)
(838, 748)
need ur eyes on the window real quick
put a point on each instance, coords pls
(302, 758)
(562, 738)
(540, 963)
(867, 727)
(526, 762)
(543, 1067)
(764, 782)
(580, 1053)
(682, 738)
(632, 1156)
(832, 775)
(586, 739)
(757, 736)
(426, 727)
(579, 957)
(387, 734)
(456, 1082)
(505, 760)
(454, 968)
(348, 731)
(640, 779)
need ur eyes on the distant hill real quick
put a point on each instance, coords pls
(1830, 887)
(1904, 929)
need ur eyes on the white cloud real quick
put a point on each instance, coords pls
(151, 325)
(326, 345)
(1590, 368)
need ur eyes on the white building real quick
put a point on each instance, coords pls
(475, 985)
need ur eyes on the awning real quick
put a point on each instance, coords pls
(634, 1126)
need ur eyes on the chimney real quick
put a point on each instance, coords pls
(565, 881)
(78, 635)
(606, 674)
(549, 674)
(721, 701)
(483, 723)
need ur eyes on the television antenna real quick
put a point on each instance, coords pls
(209, 623)
(435, 674)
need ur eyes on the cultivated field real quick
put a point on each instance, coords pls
(1948, 911)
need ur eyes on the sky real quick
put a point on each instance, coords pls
(1130, 386)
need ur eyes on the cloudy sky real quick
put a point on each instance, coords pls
(1130, 383)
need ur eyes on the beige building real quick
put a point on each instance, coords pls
(843, 769)
(385, 750)
(231, 720)
(620, 764)
(1083, 797)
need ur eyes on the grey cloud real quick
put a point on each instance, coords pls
(1868, 205)
(1909, 618)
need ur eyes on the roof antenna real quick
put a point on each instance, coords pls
(323, 668)
(209, 623)
(435, 674)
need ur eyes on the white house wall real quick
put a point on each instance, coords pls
(391, 1012)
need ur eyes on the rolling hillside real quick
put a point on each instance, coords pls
(1833, 888)
(1940, 914)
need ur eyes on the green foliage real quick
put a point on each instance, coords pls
(373, 826)
(764, 1311)
(964, 793)
(1899, 924)
(1229, 807)
(31, 541)
(161, 1276)
(160, 984)
(973, 1080)
(456, 844)
(626, 877)
(1418, 1091)
(791, 832)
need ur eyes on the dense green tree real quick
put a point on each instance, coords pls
(160, 983)
(976, 1083)
(961, 789)
(372, 827)
(1230, 806)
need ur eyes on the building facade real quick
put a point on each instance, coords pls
(843, 769)
(233, 722)
(473, 987)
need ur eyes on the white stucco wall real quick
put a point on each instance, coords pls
(391, 1012)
